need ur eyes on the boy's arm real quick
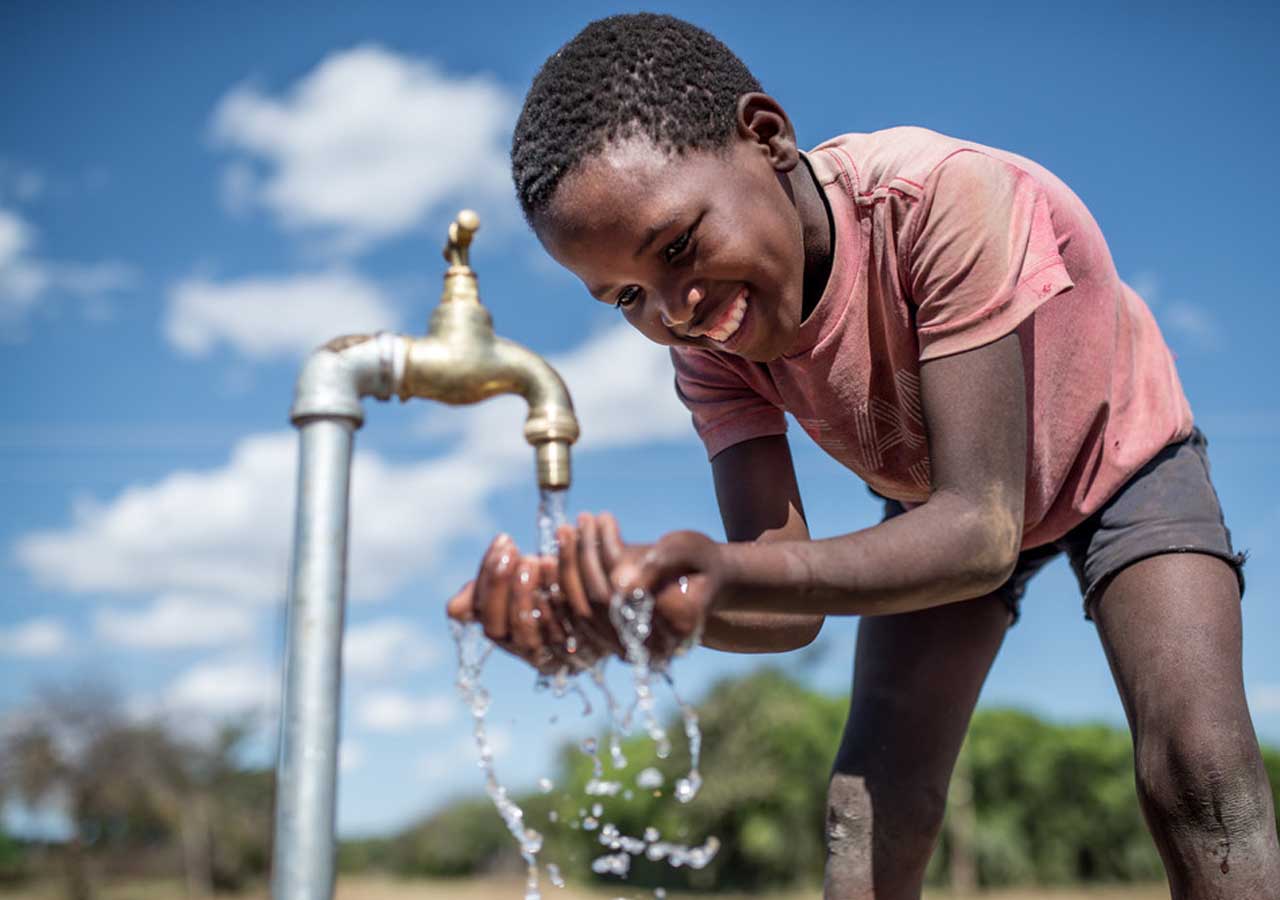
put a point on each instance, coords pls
(759, 502)
(962, 543)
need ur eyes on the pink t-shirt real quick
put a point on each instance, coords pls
(941, 246)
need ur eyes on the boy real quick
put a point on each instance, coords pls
(945, 320)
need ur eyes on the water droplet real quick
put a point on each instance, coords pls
(649, 778)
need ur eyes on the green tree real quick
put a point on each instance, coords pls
(767, 748)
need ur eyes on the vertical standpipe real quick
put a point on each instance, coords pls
(326, 411)
(307, 769)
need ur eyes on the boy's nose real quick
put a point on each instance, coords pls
(677, 308)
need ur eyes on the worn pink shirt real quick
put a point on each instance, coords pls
(941, 246)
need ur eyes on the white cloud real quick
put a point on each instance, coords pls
(21, 182)
(378, 648)
(394, 712)
(149, 539)
(622, 390)
(237, 547)
(366, 144)
(22, 280)
(267, 317)
(176, 621)
(225, 688)
(350, 756)
(1193, 323)
(34, 639)
(26, 279)
(1265, 699)
(1184, 322)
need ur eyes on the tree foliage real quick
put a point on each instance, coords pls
(1048, 803)
(134, 791)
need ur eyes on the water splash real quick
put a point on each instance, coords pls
(473, 650)
(632, 617)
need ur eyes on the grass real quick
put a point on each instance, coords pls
(382, 888)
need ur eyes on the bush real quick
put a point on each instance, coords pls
(1050, 803)
(13, 860)
(465, 838)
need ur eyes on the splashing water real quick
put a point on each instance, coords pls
(473, 650)
(632, 617)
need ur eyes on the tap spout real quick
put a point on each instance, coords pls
(462, 361)
(460, 370)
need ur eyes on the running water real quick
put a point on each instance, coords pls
(473, 650)
(633, 618)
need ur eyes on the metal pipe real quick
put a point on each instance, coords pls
(327, 411)
(460, 361)
(308, 766)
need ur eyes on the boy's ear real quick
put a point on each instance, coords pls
(762, 121)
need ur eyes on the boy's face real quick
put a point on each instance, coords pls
(703, 249)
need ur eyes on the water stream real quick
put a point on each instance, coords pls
(633, 618)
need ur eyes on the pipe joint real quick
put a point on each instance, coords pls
(337, 375)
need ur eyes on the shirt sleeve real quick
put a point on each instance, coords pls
(726, 410)
(982, 255)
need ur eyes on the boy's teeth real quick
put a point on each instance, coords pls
(728, 323)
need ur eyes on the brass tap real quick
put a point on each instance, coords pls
(462, 361)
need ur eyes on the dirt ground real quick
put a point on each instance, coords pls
(376, 889)
(367, 888)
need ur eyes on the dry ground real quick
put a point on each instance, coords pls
(368, 888)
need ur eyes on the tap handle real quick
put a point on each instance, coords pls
(461, 232)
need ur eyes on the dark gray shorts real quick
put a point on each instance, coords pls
(1168, 506)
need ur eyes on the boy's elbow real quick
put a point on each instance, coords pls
(753, 633)
(997, 535)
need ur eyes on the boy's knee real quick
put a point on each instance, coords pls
(881, 829)
(1204, 790)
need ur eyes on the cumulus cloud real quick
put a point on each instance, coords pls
(227, 687)
(20, 182)
(621, 386)
(350, 756)
(27, 278)
(1265, 698)
(366, 144)
(393, 712)
(381, 647)
(1188, 324)
(224, 533)
(35, 639)
(176, 621)
(273, 316)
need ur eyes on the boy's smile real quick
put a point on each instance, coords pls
(707, 248)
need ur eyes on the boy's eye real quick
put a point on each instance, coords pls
(627, 296)
(673, 250)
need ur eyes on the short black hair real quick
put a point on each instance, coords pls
(620, 77)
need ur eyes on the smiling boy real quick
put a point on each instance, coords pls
(945, 320)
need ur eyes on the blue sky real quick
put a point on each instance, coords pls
(192, 197)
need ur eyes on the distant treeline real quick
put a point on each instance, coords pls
(1032, 802)
(142, 798)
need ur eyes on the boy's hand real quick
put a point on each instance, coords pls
(554, 613)
(685, 573)
(509, 598)
(551, 612)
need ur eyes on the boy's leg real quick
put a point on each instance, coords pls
(916, 680)
(1170, 625)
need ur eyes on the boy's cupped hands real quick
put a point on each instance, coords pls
(553, 612)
